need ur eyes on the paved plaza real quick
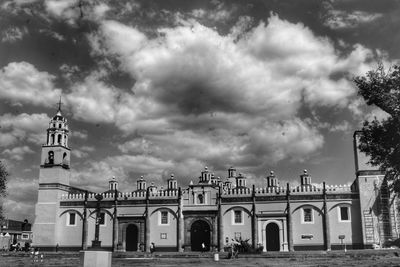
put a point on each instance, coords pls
(338, 258)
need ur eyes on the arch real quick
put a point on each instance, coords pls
(165, 208)
(52, 139)
(200, 199)
(340, 204)
(50, 158)
(102, 210)
(72, 210)
(236, 208)
(272, 232)
(308, 205)
(59, 139)
(132, 237)
(200, 232)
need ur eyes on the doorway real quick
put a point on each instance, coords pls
(200, 233)
(131, 238)
(272, 237)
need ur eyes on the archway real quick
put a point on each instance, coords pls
(131, 238)
(272, 237)
(200, 233)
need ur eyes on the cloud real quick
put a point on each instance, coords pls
(234, 97)
(29, 127)
(82, 152)
(79, 134)
(23, 198)
(73, 10)
(21, 82)
(17, 153)
(342, 19)
(13, 34)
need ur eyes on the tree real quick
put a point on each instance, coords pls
(3, 186)
(380, 139)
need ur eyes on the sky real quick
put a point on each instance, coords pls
(159, 87)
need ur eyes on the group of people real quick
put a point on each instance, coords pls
(17, 247)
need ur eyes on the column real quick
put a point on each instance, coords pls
(289, 219)
(220, 223)
(326, 228)
(147, 224)
(84, 223)
(180, 221)
(254, 220)
(115, 222)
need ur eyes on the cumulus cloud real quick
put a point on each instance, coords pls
(17, 153)
(21, 82)
(23, 198)
(342, 19)
(13, 34)
(82, 152)
(73, 10)
(23, 127)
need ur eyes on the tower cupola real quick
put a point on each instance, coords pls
(305, 179)
(205, 177)
(172, 182)
(57, 133)
(228, 184)
(231, 172)
(240, 181)
(112, 184)
(272, 181)
(141, 184)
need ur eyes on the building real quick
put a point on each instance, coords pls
(14, 232)
(212, 211)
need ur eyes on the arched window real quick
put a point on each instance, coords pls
(200, 199)
(51, 157)
(59, 139)
(59, 126)
(52, 139)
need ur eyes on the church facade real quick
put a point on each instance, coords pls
(211, 211)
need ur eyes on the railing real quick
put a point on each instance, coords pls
(123, 195)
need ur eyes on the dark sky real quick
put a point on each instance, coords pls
(159, 87)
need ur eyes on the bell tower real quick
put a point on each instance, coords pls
(54, 178)
(55, 159)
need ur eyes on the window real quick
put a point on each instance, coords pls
(163, 236)
(200, 199)
(102, 219)
(238, 216)
(71, 219)
(25, 236)
(308, 215)
(51, 157)
(164, 217)
(344, 214)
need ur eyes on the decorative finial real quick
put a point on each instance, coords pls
(59, 104)
(113, 177)
(305, 171)
(271, 172)
(206, 168)
(172, 175)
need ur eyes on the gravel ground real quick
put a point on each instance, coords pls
(301, 260)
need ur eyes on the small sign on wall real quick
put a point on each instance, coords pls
(307, 236)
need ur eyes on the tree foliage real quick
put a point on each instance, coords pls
(3, 185)
(381, 138)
